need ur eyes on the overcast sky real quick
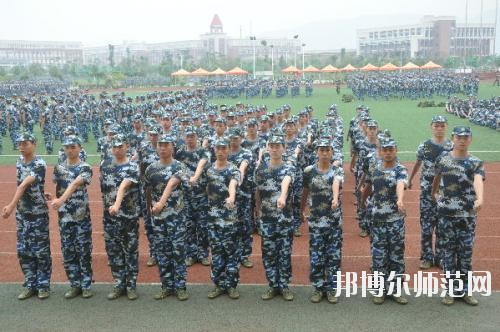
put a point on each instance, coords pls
(113, 21)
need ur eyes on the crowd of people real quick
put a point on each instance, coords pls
(483, 112)
(206, 179)
(33, 86)
(250, 88)
(411, 85)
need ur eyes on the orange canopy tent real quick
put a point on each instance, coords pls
(389, 66)
(291, 69)
(369, 67)
(236, 71)
(181, 72)
(349, 67)
(330, 69)
(200, 72)
(311, 69)
(218, 71)
(410, 66)
(431, 65)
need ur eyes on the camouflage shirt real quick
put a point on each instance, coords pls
(237, 159)
(427, 153)
(268, 181)
(218, 190)
(384, 198)
(457, 194)
(157, 176)
(76, 208)
(111, 176)
(147, 156)
(191, 159)
(320, 188)
(32, 204)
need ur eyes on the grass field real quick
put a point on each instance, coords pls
(408, 124)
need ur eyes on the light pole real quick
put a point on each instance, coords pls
(253, 39)
(295, 51)
(303, 58)
(272, 59)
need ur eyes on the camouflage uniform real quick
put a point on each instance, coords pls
(197, 205)
(223, 228)
(427, 153)
(325, 227)
(276, 225)
(147, 156)
(75, 225)
(244, 199)
(388, 229)
(121, 231)
(457, 218)
(32, 222)
(169, 226)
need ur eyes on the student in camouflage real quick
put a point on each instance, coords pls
(119, 179)
(427, 154)
(163, 188)
(243, 160)
(72, 203)
(196, 159)
(387, 182)
(32, 220)
(459, 178)
(148, 155)
(61, 155)
(322, 183)
(273, 203)
(224, 227)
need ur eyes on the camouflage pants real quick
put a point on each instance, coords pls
(122, 243)
(428, 228)
(148, 222)
(76, 247)
(365, 222)
(296, 200)
(457, 242)
(49, 141)
(277, 237)
(197, 227)
(170, 237)
(245, 217)
(388, 247)
(325, 253)
(33, 251)
(224, 244)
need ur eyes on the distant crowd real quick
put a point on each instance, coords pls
(483, 112)
(411, 85)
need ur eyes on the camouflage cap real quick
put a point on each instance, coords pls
(230, 115)
(290, 121)
(70, 130)
(388, 143)
(220, 119)
(276, 139)
(26, 136)
(323, 143)
(114, 128)
(190, 130)
(372, 123)
(119, 140)
(264, 118)
(154, 130)
(251, 122)
(439, 119)
(108, 122)
(235, 132)
(165, 138)
(137, 117)
(166, 115)
(223, 141)
(72, 140)
(461, 131)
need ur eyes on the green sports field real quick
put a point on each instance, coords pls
(408, 124)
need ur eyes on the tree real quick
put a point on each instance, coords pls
(281, 62)
(36, 69)
(111, 56)
(55, 72)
